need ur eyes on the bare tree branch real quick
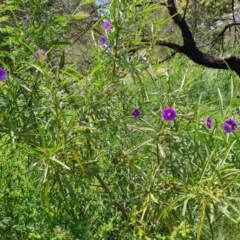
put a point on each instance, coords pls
(190, 49)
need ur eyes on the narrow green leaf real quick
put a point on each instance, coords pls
(70, 189)
(200, 224)
(4, 18)
(153, 198)
(59, 162)
(80, 15)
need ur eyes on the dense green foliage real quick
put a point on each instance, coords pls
(76, 164)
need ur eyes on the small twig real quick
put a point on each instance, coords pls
(221, 34)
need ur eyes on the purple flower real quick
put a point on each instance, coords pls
(3, 74)
(170, 27)
(39, 53)
(229, 126)
(209, 122)
(169, 114)
(25, 18)
(136, 113)
(107, 25)
(180, 184)
(103, 41)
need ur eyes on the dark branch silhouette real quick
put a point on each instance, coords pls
(190, 49)
(221, 34)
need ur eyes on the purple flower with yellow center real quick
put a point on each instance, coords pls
(3, 74)
(39, 53)
(25, 18)
(169, 114)
(136, 113)
(209, 122)
(229, 126)
(107, 25)
(103, 41)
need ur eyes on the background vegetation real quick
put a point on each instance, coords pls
(76, 164)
